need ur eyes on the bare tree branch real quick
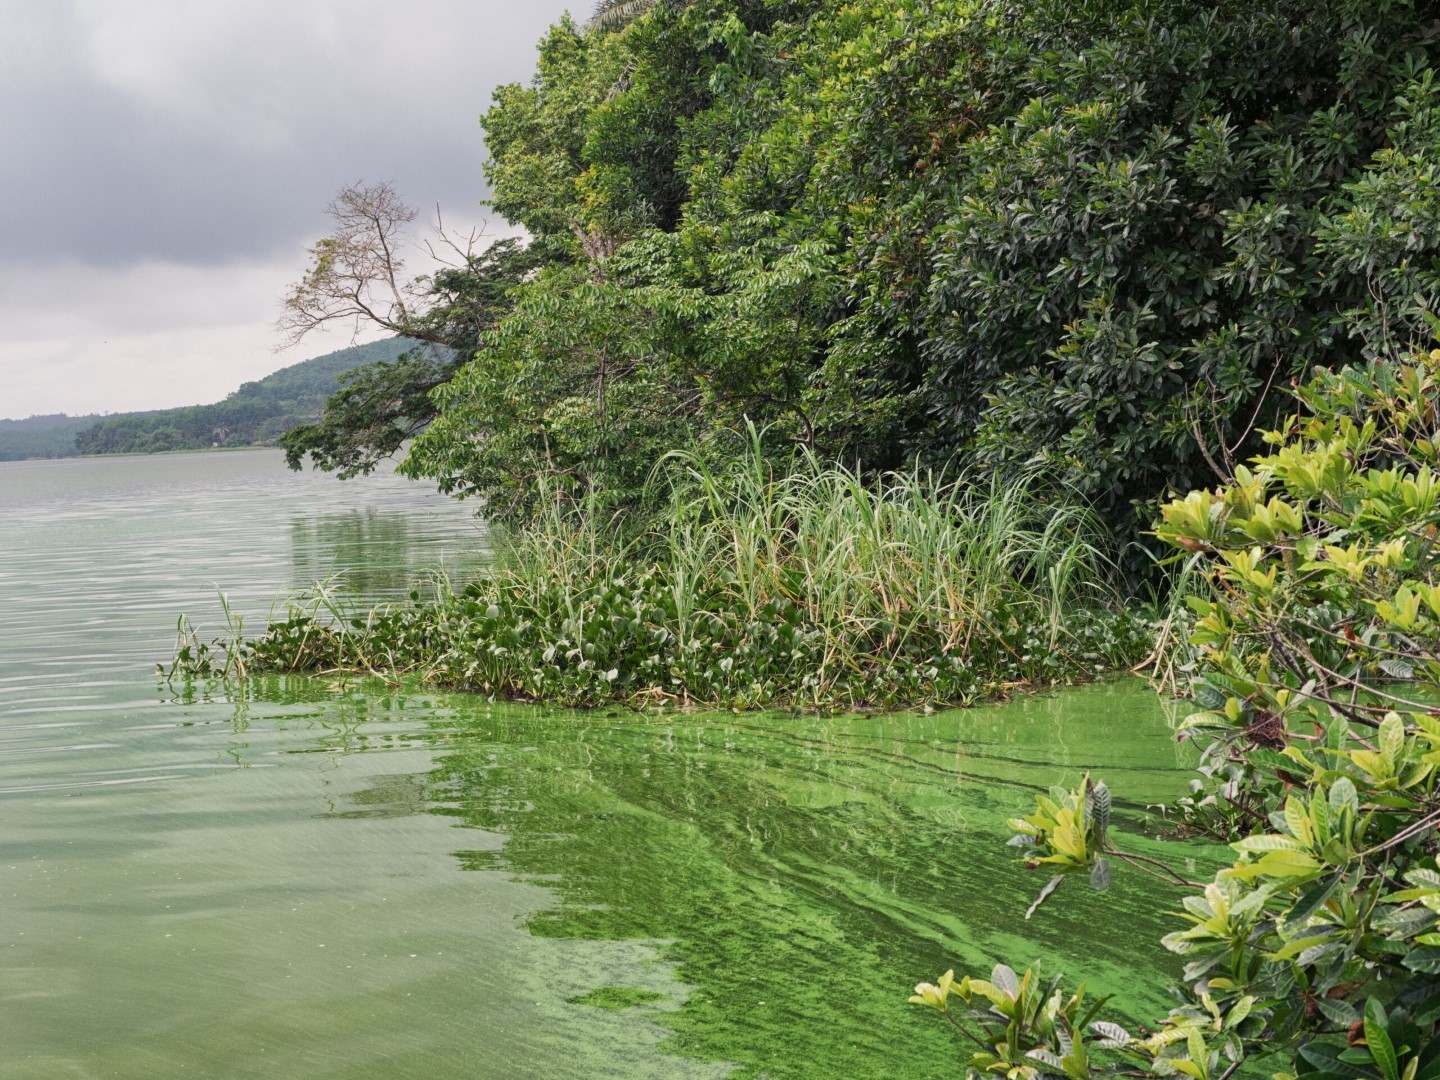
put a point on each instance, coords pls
(465, 254)
(356, 273)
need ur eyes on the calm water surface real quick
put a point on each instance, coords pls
(333, 878)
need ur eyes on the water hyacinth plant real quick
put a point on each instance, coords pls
(806, 585)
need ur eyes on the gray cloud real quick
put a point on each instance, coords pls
(205, 132)
(164, 164)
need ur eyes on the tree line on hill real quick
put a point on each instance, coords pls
(48, 436)
(256, 414)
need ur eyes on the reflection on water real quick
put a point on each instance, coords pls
(370, 551)
(332, 878)
(99, 556)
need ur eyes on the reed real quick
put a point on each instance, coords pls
(889, 557)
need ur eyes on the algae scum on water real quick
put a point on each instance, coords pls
(310, 878)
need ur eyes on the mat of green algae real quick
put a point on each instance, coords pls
(320, 878)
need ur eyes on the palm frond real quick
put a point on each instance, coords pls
(613, 14)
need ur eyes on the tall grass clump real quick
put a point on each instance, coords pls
(805, 585)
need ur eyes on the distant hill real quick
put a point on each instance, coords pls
(255, 415)
(49, 436)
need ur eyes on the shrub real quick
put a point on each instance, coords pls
(1317, 674)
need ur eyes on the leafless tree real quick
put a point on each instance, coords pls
(356, 272)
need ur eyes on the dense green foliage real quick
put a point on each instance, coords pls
(1318, 669)
(1093, 236)
(256, 414)
(50, 436)
(812, 588)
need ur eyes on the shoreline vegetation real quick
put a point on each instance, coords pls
(1315, 677)
(807, 587)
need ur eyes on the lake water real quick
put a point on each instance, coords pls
(304, 878)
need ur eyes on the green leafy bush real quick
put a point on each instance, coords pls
(1098, 237)
(1318, 674)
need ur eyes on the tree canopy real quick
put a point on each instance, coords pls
(443, 317)
(1093, 237)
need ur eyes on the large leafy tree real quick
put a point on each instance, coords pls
(573, 394)
(1094, 237)
(1138, 257)
(617, 349)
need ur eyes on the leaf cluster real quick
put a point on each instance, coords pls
(1317, 674)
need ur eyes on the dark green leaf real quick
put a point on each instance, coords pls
(1425, 960)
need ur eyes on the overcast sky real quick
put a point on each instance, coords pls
(165, 163)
